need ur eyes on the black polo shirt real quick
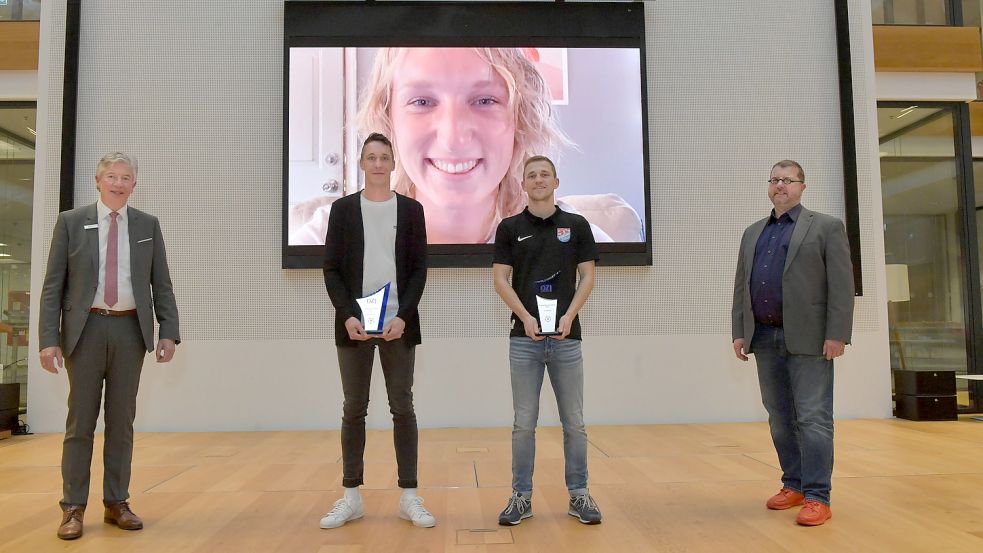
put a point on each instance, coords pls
(544, 254)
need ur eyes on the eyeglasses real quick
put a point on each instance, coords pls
(786, 180)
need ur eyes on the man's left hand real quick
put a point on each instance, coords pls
(833, 349)
(165, 350)
(394, 330)
(563, 327)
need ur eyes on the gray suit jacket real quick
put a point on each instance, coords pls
(817, 285)
(71, 278)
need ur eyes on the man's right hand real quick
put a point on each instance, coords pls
(51, 359)
(739, 349)
(355, 329)
(532, 328)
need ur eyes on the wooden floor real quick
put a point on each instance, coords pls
(898, 486)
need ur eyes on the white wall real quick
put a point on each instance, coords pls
(940, 87)
(18, 85)
(195, 91)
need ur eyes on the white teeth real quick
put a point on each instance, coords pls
(454, 168)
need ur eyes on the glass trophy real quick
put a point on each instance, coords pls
(546, 304)
(373, 309)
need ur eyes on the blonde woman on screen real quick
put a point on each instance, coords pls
(462, 122)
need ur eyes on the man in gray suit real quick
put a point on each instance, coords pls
(793, 308)
(107, 276)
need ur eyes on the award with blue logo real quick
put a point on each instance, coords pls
(546, 305)
(374, 309)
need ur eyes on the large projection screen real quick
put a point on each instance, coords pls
(467, 92)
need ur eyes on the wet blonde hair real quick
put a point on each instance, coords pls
(536, 128)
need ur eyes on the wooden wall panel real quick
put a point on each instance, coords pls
(19, 45)
(931, 49)
(976, 118)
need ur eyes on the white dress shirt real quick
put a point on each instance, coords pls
(124, 285)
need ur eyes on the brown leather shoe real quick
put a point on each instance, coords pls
(119, 513)
(71, 522)
(784, 499)
(814, 513)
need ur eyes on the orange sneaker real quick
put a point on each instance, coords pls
(814, 513)
(784, 499)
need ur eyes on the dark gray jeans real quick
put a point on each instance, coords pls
(110, 350)
(356, 375)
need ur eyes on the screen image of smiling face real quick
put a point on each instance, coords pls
(452, 127)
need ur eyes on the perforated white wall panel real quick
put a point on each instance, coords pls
(194, 90)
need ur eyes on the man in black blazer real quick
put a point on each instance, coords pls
(107, 278)
(376, 251)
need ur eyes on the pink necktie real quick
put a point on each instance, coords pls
(112, 262)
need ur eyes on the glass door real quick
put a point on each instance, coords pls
(924, 229)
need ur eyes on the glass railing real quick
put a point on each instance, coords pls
(20, 10)
(909, 12)
(924, 12)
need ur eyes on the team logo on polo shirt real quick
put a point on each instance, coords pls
(563, 234)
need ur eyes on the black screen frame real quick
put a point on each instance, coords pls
(503, 24)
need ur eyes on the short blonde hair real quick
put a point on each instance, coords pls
(536, 128)
(116, 157)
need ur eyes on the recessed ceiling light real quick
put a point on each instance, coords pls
(906, 111)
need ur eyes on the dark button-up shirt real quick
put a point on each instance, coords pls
(769, 264)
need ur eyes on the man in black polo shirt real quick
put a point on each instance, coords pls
(544, 248)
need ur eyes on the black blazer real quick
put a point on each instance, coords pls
(344, 250)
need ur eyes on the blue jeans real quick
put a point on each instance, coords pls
(797, 392)
(529, 360)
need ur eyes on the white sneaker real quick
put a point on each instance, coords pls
(343, 512)
(412, 509)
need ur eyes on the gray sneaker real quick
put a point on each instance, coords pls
(585, 509)
(518, 508)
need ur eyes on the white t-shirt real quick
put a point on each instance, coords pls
(379, 261)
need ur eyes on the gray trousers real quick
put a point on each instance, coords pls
(110, 350)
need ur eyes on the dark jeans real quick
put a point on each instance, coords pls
(110, 351)
(797, 391)
(356, 375)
